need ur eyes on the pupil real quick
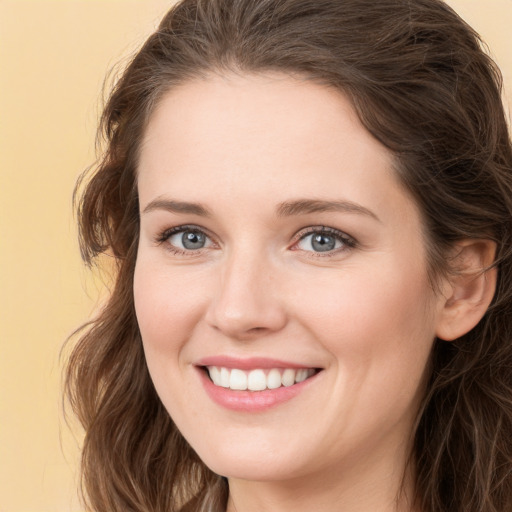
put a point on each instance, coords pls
(323, 243)
(193, 240)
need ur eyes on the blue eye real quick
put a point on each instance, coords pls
(187, 239)
(324, 241)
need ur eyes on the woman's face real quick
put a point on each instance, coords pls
(279, 251)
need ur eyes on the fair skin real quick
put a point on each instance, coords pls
(275, 234)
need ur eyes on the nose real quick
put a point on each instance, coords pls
(247, 302)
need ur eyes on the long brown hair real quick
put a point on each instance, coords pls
(424, 87)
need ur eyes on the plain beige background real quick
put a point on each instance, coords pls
(53, 58)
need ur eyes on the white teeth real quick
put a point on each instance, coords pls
(224, 377)
(238, 380)
(257, 380)
(301, 375)
(288, 378)
(274, 379)
(215, 375)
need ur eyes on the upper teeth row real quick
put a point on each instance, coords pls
(257, 380)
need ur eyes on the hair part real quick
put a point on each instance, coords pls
(423, 86)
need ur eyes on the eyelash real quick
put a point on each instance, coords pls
(163, 238)
(347, 241)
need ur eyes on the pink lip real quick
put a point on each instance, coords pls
(251, 363)
(251, 401)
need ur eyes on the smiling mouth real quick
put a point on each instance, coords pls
(258, 379)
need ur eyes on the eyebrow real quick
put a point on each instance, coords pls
(173, 206)
(285, 209)
(306, 206)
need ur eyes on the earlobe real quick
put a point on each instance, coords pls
(470, 288)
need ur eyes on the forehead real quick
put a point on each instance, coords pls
(225, 110)
(281, 135)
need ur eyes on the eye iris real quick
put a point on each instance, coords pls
(322, 242)
(193, 240)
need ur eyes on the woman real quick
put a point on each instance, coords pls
(310, 206)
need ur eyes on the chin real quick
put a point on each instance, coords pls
(260, 464)
(263, 471)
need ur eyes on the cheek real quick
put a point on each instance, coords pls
(379, 326)
(389, 298)
(168, 304)
(379, 331)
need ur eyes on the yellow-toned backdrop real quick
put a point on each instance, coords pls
(53, 57)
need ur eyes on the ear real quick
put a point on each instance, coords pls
(469, 288)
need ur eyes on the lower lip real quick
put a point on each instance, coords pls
(252, 401)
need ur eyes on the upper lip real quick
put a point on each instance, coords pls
(250, 363)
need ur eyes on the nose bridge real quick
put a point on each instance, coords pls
(246, 302)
